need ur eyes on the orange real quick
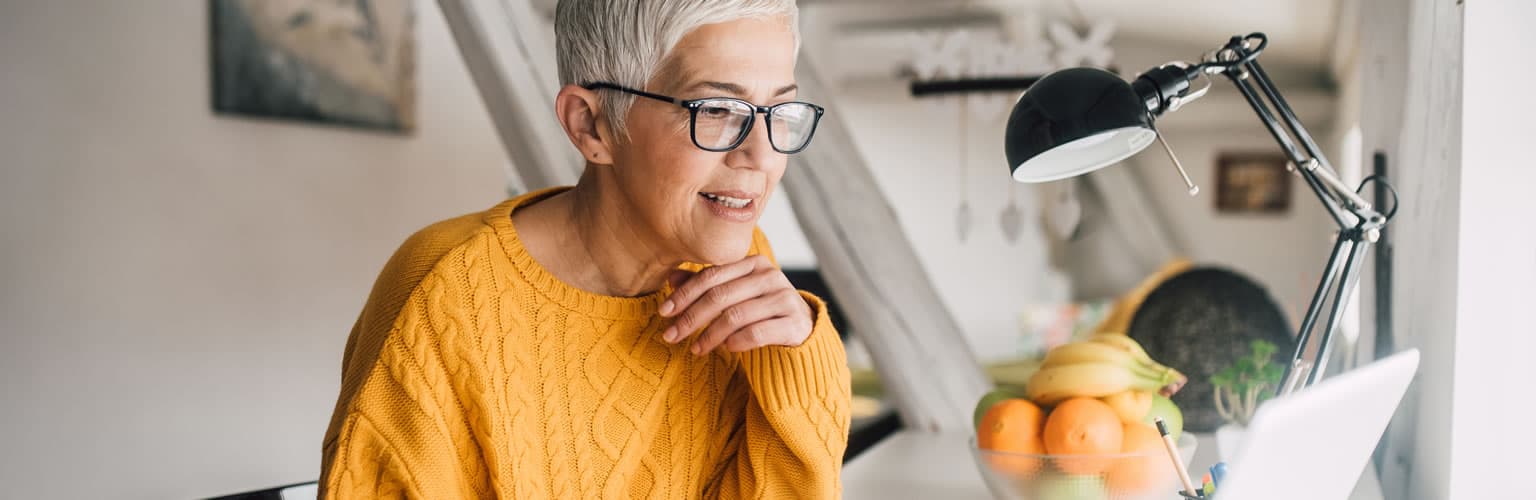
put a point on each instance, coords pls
(992, 398)
(1131, 406)
(1148, 470)
(1012, 426)
(1083, 427)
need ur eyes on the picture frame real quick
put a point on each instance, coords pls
(348, 64)
(1253, 183)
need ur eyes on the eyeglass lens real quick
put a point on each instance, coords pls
(720, 124)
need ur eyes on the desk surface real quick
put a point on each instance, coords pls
(913, 464)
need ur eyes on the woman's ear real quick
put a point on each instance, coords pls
(577, 108)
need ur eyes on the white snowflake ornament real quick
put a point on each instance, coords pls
(1091, 49)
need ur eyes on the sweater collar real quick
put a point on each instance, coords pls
(499, 218)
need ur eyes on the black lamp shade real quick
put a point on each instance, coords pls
(1075, 121)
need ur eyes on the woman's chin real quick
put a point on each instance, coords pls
(720, 254)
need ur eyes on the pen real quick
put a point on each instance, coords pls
(1173, 454)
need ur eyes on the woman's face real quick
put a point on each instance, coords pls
(674, 186)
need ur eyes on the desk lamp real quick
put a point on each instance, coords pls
(1078, 120)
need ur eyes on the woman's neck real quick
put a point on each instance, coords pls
(583, 238)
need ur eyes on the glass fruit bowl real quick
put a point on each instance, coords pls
(1124, 476)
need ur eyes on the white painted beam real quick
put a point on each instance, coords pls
(502, 45)
(867, 260)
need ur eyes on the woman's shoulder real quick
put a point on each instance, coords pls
(436, 240)
(427, 248)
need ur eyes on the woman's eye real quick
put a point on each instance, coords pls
(715, 112)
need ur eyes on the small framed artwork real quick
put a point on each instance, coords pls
(1252, 183)
(349, 63)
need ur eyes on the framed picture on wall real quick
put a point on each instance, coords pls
(1252, 183)
(350, 63)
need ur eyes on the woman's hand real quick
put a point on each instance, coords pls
(747, 304)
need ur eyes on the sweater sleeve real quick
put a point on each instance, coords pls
(374, 456)
(403, 433)
(796, 423)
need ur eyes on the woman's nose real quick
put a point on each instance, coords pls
(756, 149)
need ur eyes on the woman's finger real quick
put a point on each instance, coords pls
(703, 281)
(737, 317)
(764, 333)
(704, 310)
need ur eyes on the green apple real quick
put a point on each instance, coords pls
(1163, 408)
(992, 398)
(1071, 487)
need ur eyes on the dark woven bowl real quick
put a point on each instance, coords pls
(1198, 322)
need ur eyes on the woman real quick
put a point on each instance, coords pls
(565, 343)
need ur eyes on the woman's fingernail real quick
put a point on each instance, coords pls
(670, 335)
(666, 308)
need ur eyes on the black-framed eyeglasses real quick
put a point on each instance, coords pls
(720, 124)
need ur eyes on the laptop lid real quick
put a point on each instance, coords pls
(1314, 443)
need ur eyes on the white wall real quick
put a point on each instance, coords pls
(1496, 279)
(179, 286)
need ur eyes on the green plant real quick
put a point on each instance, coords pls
(1248, 381)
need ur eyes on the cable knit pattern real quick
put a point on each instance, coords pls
(473, 373)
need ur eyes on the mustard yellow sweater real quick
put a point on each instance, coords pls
(473, 373)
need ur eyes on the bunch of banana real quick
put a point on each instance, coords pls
(1105, 364)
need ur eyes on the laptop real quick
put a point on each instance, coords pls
(1315, 442)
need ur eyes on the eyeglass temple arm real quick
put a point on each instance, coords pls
(641, 93)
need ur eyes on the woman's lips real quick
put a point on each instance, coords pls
(733, 206)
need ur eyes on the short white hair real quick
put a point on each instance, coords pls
(625, 42)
